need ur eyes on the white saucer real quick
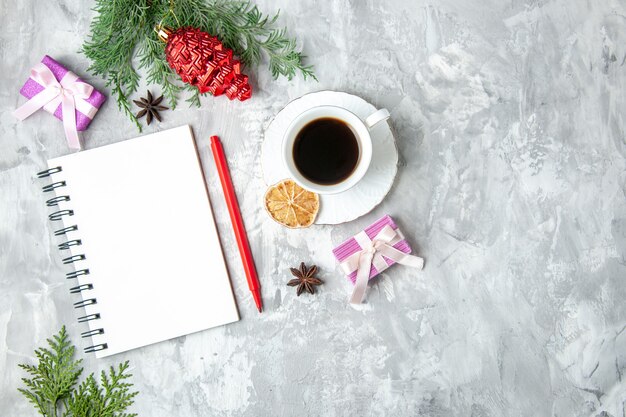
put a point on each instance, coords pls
(364, 196)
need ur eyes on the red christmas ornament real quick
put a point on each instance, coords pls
(203, 61)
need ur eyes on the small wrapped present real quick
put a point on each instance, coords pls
(60, 92)
(371, 251)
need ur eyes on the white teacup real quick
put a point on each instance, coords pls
(360, 129)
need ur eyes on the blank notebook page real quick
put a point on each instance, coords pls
(150, 242)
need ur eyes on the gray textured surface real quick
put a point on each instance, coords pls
(510, 122)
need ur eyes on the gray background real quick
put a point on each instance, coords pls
(510, 125)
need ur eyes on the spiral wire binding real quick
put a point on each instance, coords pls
(89, 317)
(72, 259)
(83, 303)
(65, 230)
(78, 289)
(48, 172)
(77, 273)
(69, 244)
(53, 186)
(92, 332)
(96, 348)
(56, 200)
(58, 215)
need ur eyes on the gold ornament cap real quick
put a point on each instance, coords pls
(163, 32)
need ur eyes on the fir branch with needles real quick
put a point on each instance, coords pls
(54, 376)
(51, 386)
(123, 43)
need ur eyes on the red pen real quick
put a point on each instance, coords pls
(235, 218)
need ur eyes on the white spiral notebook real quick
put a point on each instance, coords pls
(134, 221)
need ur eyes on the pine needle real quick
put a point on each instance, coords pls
(123, 40)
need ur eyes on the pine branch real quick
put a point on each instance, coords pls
(110, 399)
(122, 32)
(51, 387)
(115, 32)
(53, 377)
(152, 57)
(194, 99)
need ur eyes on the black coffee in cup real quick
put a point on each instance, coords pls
(326, 151)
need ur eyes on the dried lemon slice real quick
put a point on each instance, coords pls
(291, 205)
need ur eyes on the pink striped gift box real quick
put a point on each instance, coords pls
(351, 246)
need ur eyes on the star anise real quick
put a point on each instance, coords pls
(305, 279)
(150, 107)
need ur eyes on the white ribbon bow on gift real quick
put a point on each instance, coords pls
(72, 95)
(371, 253)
